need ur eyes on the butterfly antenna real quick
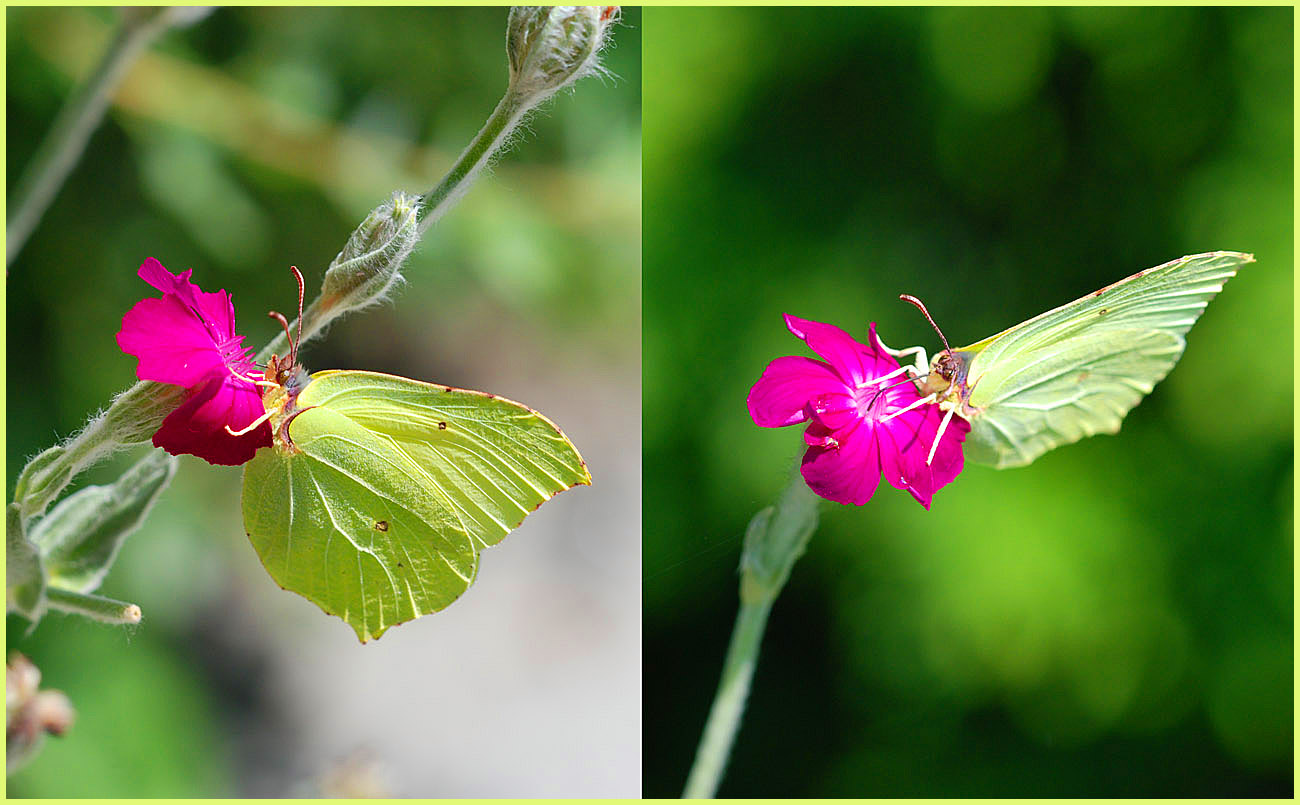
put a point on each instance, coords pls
(284, 324)
(913, 300)
(293, 348)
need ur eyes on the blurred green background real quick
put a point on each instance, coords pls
(1115, 620)
(255, 140)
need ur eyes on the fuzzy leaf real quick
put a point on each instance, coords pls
(80, 537)
(24, 581)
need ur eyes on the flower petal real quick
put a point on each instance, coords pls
(836, 346)
(781, 395)
(948, 459)
(878, 361)
(834, 410)
(171, 342)
(903, 452)
(848, 473)
(214, 308)
(198, 427)
(905, 445)
(184, 337)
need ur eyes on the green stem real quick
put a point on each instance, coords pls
(95, 607)
(432, 206)
(59, 153)
(774, 541)
(729, 703)
(495, 132)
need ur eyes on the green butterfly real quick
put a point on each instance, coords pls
(379, 492)
(1074, 371)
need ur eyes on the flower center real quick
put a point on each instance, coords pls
(234, 354)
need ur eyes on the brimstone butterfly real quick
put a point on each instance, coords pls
(378, 492)
(1074, 371)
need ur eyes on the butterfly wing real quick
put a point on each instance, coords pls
(353, 526)
(492, 460)
(1075, 371)
(391, 488)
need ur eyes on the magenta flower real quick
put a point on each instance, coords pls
(188, 339)
(857, 405)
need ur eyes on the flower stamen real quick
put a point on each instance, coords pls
(873, 381)
(929, 398)
(943, 425)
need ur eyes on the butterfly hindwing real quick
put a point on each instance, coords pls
(352, 526)
(377, 509)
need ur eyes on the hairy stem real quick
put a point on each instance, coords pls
(495, 133)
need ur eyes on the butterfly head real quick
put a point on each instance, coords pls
(947, 376)
(284, 378)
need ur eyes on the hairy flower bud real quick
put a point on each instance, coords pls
(30, 713)
(372, 258)
(550, 47)
(132, 418)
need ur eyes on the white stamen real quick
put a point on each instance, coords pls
(883, 378)
(943, 425)
(929, 398)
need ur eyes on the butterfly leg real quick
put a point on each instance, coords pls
(922, 360)
(922, 363)
(253, 426)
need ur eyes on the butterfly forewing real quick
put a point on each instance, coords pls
(1078, 369)
(493, 460)
(1169, 297)
(352, 525)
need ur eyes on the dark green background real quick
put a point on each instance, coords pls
(1115, 619)
(256, 140)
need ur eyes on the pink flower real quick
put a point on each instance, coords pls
(188, 339)
(852, 402)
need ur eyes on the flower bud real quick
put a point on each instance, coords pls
(30, 713)
(372, 258)
(131, 419)
(550, 47)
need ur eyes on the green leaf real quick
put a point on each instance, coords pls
(24, 580)
(377, 504)
(80, 537)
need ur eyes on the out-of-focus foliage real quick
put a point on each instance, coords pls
(1115, 619)
(256, 140)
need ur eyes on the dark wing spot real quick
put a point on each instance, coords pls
(381, 525)
(442, 426)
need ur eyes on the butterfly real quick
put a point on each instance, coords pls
(1076, 370)
(379, 492)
